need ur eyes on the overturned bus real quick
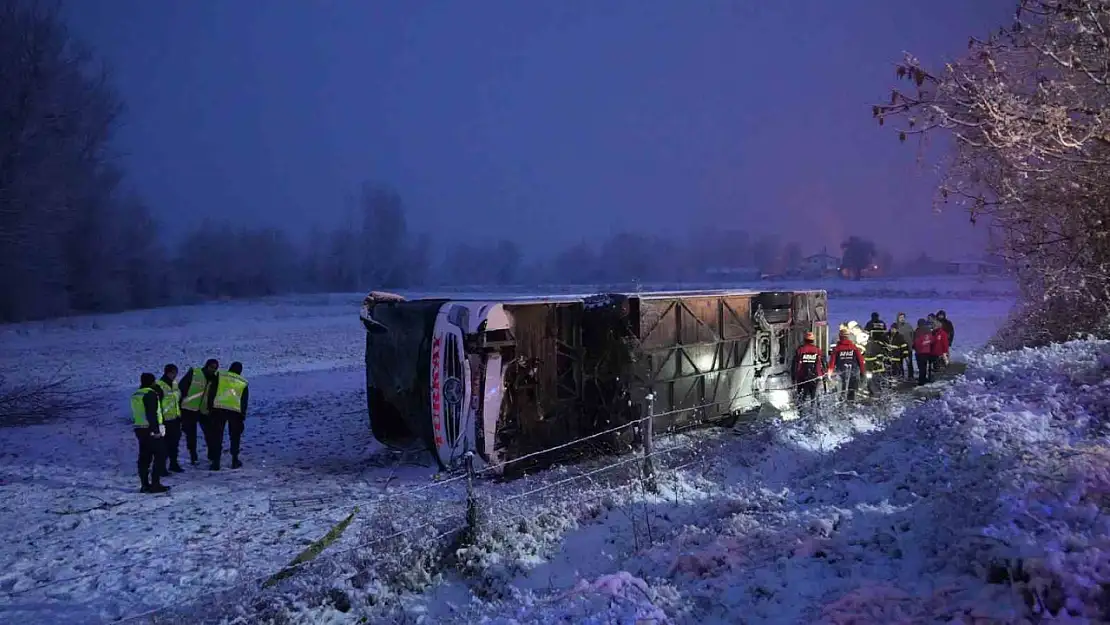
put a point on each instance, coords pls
(511, 377)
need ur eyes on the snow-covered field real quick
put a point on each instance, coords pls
(771, 527)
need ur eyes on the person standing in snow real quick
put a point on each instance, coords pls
(876, 349)
(809, 368)
(171, 416)
(897, 352)
(942, 318)
(194, 404)
(905, 330)
(923, 350)
(940, 348)
(146, 417)
(848, 362)
(227, 403)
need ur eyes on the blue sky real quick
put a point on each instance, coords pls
(540, 121)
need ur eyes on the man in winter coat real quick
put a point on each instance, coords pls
(848, 362)
(942, 318)
(940, 348)
(146, 418)
(227, 404)
(194, 402)
(171, 417)
(897, 352)
(809, 368)
(923, 350)
(905, 330)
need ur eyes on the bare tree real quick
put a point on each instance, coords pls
(1029, 109)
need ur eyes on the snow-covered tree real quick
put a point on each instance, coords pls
(1028, 109)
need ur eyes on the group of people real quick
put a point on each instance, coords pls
(890, 351)
(162, 409)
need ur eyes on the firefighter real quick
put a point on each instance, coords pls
(194, 405)
(897, 352)
(848, 362)
(146, 417)
(809, 368)
(923, 350)
(227, 403)
(876, 351)
(905, 330)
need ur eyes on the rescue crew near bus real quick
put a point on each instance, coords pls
(227, 405)
(146, 417)
(809, 368)
(848, 363)
(194, 407)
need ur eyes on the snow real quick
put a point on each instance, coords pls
(882, 507)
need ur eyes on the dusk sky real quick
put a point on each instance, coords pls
(536, 120)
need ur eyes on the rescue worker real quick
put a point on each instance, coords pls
(194, 404)
(171, 418)
(227, 404)
(923, 350)
(809, 368)
(940, 348)
(146, 416)
(897, 352)
(905, 330)
(847, 361)
(942, 317)
(876, 351)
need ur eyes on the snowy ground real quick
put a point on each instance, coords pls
(80, 545)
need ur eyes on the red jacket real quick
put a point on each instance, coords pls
(940, 341)
(923, 342)
(844, 349)
(809, 363)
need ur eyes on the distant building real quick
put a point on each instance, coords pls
(976, 267)
(819, 265)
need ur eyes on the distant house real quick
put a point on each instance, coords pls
(741, 274)
(819, 265)
(976, 267)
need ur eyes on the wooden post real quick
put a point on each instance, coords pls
(473, 515)
(646, 432)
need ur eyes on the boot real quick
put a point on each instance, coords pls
(215, 466)
(157, 488)
(144, 482)
(176, 468)
(235, 464)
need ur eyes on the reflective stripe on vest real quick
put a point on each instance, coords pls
(171, 400)
(229, 391)
(138, 408)
(194, 401)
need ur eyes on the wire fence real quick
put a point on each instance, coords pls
(823, 403)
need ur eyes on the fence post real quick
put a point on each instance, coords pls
(646, 432)
(472, 513)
